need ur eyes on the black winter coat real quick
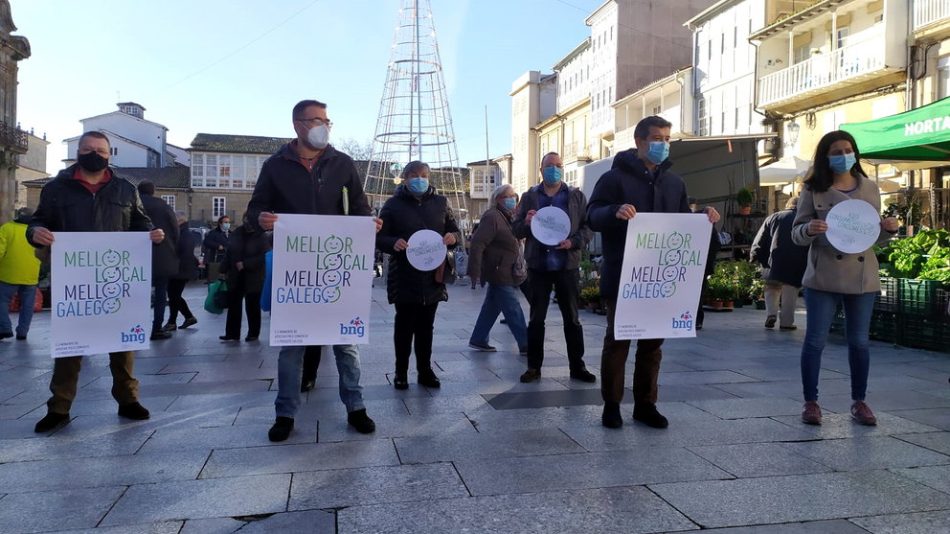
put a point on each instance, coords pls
(187, 262)
(247, 244)
(403, 215)
(214, 239)
(285, 186)
(67, 206)
(773, 248)
(164, 254)
(630, 182)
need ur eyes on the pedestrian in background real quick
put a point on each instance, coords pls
(783, 265)
(164, 254)
(187, 271)
(496, 259)
(244, 269)
(833, 277)
(554, 267)
(414, 206)
(215, 246)
(19, 274)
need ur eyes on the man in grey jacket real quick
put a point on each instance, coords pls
(554, 267)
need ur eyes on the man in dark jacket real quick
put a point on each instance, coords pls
(187, 270)
(554, 267)
(309, 176)
(215, 247)
(88, 197)
(639, 181)
(783, 265)
(164, 254)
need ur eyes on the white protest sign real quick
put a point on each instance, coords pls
(853, 226)
(101, 287)
(426, 250)
(321, 291)
(550, 225)
(663, 266)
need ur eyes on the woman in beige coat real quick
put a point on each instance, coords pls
(833, 277)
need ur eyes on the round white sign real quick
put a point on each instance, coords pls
(426, 250)
(853, 226)
(550, 225)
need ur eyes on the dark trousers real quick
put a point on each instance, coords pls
(311, 361)
(414, 322)
(160, 285)
(566, 289)
(125, 388)
(176, 303)
(613, 362)
(252, 304)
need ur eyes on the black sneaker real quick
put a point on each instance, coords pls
(530, 375)
(361, 422)
(307, 385)
(20, 338)
(51, 421)
(5, 335)
(159, 334)
(481, 347)
(133, 410)
(584, 376)
(281, 429)
(170, 326)
(648, 415)
(612, 417)
(191, 321)
(429, 380)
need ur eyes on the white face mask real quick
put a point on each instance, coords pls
(319, 136)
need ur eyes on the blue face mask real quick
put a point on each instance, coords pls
(842, 163)
(658, 152)
(551, 175)
(509, 203)
(417, 185)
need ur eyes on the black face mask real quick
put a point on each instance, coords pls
(92, 162)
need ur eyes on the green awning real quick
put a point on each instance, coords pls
(918, 134)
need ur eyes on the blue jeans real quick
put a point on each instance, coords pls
(822, 306)
(504, 300)
(290, 368)
(27, 301)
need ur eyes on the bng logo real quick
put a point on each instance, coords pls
(356, 328)
(683, 322)
(136, 334)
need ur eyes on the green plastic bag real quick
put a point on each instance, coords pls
(217, 300)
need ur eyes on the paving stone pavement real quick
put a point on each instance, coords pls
(484, 453)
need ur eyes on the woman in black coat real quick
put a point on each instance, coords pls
(416, 294)
(244, 267)
(187, 270)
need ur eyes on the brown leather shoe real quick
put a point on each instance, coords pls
(530, 375)
(770, 321)
(811, 415)
(862, 413)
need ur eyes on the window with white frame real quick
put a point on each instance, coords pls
(943, 77)
(703, 118)
(218, 207)
(170, 200)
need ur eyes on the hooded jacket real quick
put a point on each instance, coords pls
(630, 182)
(403, 215)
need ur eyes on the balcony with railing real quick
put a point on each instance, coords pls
(13, 138)
(931, 16)
(824, 76)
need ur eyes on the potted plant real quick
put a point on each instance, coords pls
(590, 294)
(744, 199)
